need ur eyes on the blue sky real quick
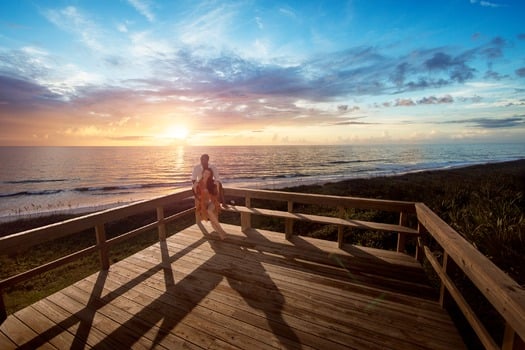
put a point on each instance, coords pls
(151, 72)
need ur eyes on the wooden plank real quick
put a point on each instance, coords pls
(254, 290)
(138, 318)
(332, 201)
(46, 328)
(20, 333)
(273, 317)
(68, 322)
(6, 343)
(322, 290)
(200, 253)
(90, 319)
(324, 219)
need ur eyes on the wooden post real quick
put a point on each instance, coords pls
(288, 223)
(162, 225)
(3, 311)
(340, 228)
(419, 246)
(103, 247)
(401, 237)
(511, 340)
(449, 266)
(246, 218)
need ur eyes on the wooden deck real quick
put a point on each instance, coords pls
(255, 290)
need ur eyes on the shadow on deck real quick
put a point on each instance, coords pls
(255, 290)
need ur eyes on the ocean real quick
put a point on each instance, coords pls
(46, 180)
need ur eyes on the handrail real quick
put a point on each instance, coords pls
(505, 294)
(333, 201)
(29, 238)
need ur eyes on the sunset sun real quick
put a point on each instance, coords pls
(177, 132)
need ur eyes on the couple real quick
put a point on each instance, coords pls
(208, 189)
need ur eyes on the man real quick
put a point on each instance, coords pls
(196, 175)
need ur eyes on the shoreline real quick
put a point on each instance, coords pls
(354, 186)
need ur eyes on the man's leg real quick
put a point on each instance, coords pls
(221, 194)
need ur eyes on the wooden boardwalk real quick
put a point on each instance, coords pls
(255, 290)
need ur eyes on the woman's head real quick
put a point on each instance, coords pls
(207, 173)
(207, 177)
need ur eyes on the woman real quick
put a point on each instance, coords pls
(207, 203)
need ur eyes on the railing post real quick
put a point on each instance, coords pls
(246, 218)
(288, 223)
(3, 311)
(103, 247)
(420, 254)
(162, 225)
(340, 228)
(511, 340)
(401, 237)
(448, 267)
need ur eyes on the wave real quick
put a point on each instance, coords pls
(33, 181)
(30, 193)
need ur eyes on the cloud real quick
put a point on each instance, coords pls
(70, 19)
(404, 102)
(520, 72)
(20, 94)
(486, 3)
(436, 100)
(143, 7)
(492, 123)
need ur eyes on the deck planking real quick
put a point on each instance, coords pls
(255, 290)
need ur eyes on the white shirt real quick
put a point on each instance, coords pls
(196, 174)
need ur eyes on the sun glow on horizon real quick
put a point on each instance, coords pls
(177, 132)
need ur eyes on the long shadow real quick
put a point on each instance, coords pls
(181, 297)
(85, 316)
(184, 296)
(261, 294)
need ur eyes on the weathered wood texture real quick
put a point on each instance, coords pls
(255, 290)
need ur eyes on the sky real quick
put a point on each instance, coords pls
(157, 73)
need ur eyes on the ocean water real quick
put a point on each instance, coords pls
(36, 180)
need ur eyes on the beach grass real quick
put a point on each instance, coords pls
(484, 203)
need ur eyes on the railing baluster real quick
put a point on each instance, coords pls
(340, 228)
(289, 222)
(3, 311)
(448, 268)
(246, 218)
(100, 230)
(419, 242)
(401, 237)
(162, 225)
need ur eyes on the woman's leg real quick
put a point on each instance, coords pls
(215, 221)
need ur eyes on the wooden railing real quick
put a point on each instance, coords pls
(27, 239)
(505, 295)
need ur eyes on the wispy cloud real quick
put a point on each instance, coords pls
(486, 3)
(492, 123)
(72, 20)
(144, 8)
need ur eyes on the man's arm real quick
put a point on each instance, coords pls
(216, 174)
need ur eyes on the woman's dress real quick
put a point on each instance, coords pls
(205, 199)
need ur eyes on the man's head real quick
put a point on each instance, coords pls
(204, 160)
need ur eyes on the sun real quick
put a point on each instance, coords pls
(177, 132)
